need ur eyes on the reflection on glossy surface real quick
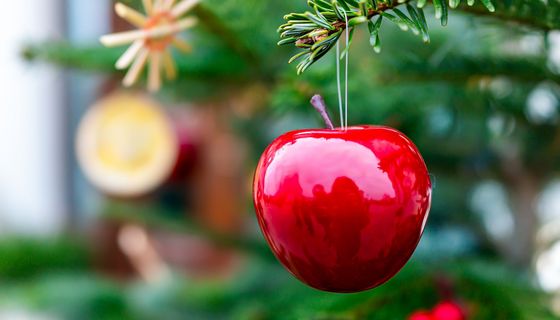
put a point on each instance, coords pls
(342, 210)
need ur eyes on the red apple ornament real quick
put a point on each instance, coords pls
(343, 210)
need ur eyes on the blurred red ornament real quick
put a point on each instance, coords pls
(448, 311)
(343, 210)
(188, 143)
(421, 315)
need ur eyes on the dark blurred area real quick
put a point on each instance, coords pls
(120, 204)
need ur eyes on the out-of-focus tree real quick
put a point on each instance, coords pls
(480, 100)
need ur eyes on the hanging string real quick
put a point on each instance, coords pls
(347, 50)
(338, 84)
(343, 114)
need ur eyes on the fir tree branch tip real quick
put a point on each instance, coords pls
(316, 32)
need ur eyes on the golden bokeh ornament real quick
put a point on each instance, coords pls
(127, 145)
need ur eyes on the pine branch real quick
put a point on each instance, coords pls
(463, 69)
(534, 14)
(214, 24)
(318, 32)
(206, 64)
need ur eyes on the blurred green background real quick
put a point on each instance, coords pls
(480, 101)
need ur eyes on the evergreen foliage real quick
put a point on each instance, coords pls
(317, 32)
(460, 98)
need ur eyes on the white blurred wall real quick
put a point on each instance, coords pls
(32, 187)
(83, 91)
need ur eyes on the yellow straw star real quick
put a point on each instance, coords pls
(151, 44)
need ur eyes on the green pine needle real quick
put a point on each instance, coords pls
(317, 33)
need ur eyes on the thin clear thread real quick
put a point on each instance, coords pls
(347, 50)
(338, 84)
(343, 114)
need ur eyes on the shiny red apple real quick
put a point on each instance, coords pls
(343, 210)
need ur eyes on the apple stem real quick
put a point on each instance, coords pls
(319, 104)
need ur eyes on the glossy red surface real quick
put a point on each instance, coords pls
(342, 210)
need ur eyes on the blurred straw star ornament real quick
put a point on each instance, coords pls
(157, 33)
